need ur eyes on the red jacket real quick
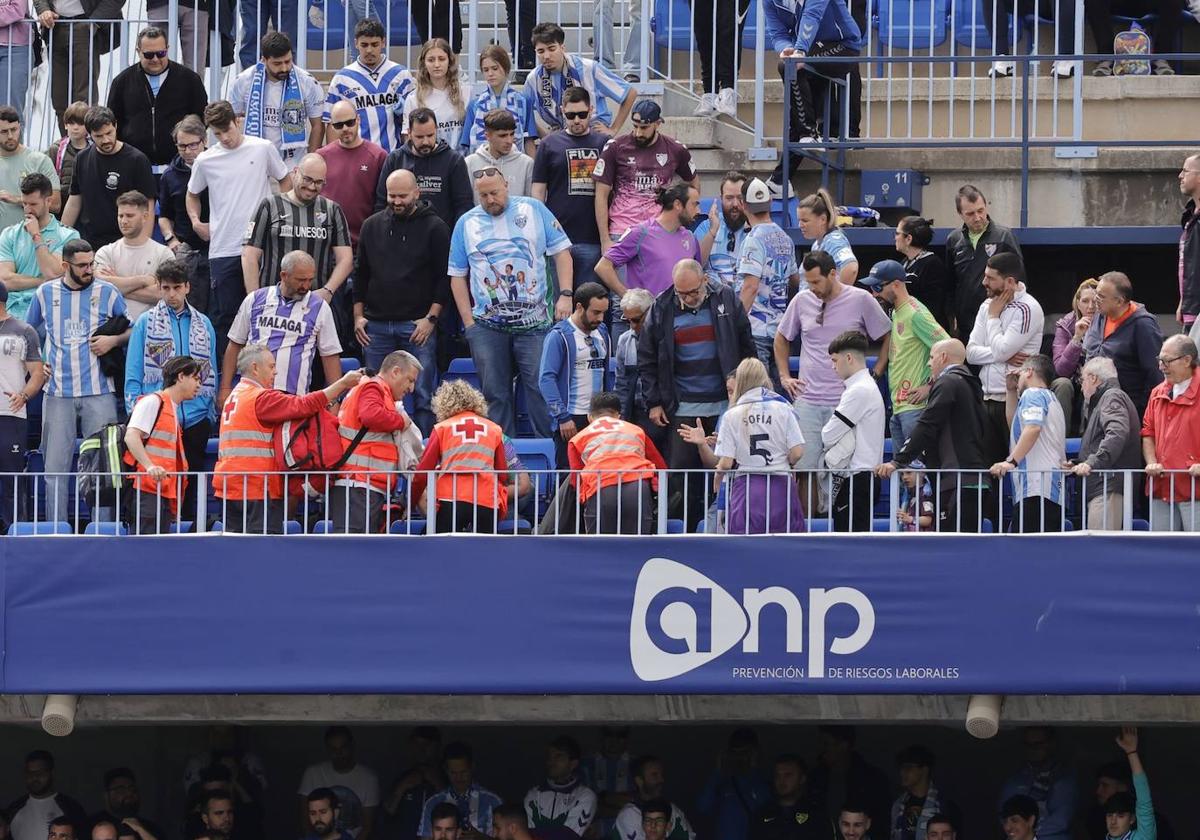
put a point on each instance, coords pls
(1175, 427)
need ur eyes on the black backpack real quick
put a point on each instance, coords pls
(102, 466)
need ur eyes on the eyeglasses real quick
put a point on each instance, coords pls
(696, 294)
(338, 126)
(575, 115)
(187, 147)
(633, 319)
(1166, 360)
(486, 172)
(86, 265)
(154, 54)
(312, 182)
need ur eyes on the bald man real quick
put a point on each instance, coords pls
(353, 165)
(949, 436)
(300, 219)
(401, 284)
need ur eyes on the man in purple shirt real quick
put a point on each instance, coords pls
(819, 314)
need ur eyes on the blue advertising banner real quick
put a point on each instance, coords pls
(509, 615)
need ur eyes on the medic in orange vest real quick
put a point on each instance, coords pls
(614, 467)
(467, 450)
(154, 439)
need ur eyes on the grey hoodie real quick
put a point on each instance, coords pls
(516, 166)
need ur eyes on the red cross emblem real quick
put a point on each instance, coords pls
(606, 424)
(469, 429)
(230, 407)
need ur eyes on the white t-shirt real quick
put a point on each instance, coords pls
(145, 412)
(449, 118)
(758, 432)
(237, 181)
(310, 92)
(125, 260)
(18, 344)
(861, 405)
(361, 781)
(31, 821)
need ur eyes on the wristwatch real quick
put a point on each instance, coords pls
(431, 319)
(565, 293)
(1011, 460)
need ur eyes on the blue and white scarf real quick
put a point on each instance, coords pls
(547, 105)
(160, 346)
(291, 109)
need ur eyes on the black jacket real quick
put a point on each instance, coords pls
(953, 427)
(966, 270)
(928, 283)
(400, 270)
(864, 783)
(806, 820)
(656, 345)
(172, 198)
(441, 175)
(1133, 347)
(144, 120)
(1190, 260)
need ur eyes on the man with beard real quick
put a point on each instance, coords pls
(440, 171)
(41, 803)
(123, 801)
(216, 812)
(721, 234)
(791, 814)
(353, 165)
(323, 813)
(17, 161)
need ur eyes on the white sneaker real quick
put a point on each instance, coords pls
(811, 144)
(775, 187)
(727, 102)
(707, 106)
(1002, 68)
(1062, 69)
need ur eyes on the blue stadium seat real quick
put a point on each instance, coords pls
(676, 526)
(537, 454)
(1141, 525)
(514, 526)
(986, 527)
(325, 526)
(881, 524)
(334, 37)
(38, 529)
(292, 527)
(820, 525)
(672, 25)
(210, 455)
(794, 364)
(408, 526)
(106, 529)
(912, 24)
(184, 526)
(217, 527)
(1072, 448)
(349, 363)
(463, 368)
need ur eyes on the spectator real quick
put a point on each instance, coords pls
(30, 814)
(470, 493)
(841, 770)
(352, 166)
(31, 251)
(130, 263)
(1019, 816)
(665, 818)
(217, 813)
(558, 70)
(718, 26)
(968, 250)
(261, 18)
(498, 94)
(22, 375)
(1069, 331)
(765, 274)
(76, 45)
(1170, 437)
(721, 233)
(106, 827)
(14, 53)
(941, 827)
(173, 327)
(1114, 779)
(445, 822)
(1131, 816)
(510, 822)
(853, 437)
(240, 170)
(1046, 785)
(1007, 331)
(300, 220)
(324, 816)
(278, 101)
(61, 828)
(574, 365)
(439, 90)
(496, 244)
(563, 800)
(173, 223)
(737, 788)
(604, 14)
(854, 823)
(149, 98)
(122, 798)
(242, 818)
(16, 162)
(293, 323)
(371, 415)
(440, 171)
(375, 88)
(400, 812)
(614, 465)
(227, 748)
(79, 396)
(356, 785)
(1189, 244)
(761, 435)
(154, 439)
(916, 511)
(607, 771)
(826, 309)
(104, 171)
(930, 281)
(499, 153)
(649, 250)
(995, 18)
(1127, 333)
(562, 178)
(1109, 442)
(1099, 16)
(914, 332)
(635, 305)
(791, 814)
(400, 286)
(251, 500)
(949, 435)
(193, 17)
(697, 335)
(632, 171)
(921, 800)
(62, 153)
(817, 215)
(472, 803)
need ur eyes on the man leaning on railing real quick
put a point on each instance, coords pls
(1109, 442)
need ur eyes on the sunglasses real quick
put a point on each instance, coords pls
(575, 115)
(338, 126)
(486, 172)
(591, 345)
(154, 54)
(821, 314)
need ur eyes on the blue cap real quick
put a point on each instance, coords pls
(884, 272)
(647, 111)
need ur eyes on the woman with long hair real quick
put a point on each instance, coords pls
(928, 277)
(1069, 331)
(497, 92)
(438, 89)
(818, 221)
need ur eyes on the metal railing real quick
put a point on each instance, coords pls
(652, 502)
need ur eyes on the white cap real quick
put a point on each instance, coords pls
(758, 196)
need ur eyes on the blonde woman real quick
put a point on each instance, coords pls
(439, 90)
(817, 215)
(1068, 354)
(467, 451)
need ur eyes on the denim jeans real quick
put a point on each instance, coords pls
(228, 289)
(255, 14)
(357, 10)
(603, 35)
(584, 256)
(64, 419)
(500, 355)
(14, 76)
(902, 426)
(387, 336)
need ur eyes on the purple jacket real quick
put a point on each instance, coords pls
(1068, 356)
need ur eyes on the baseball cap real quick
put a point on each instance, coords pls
(758, 196)
(884, 272)
(647, 111)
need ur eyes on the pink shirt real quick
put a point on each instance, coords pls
(13, 30)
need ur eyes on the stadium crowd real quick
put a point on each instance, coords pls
(197, 270)
(607, 794)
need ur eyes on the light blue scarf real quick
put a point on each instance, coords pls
(291, 109)
(160, 346)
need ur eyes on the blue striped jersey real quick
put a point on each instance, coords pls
(511, 100)
(590, 366)
(70, 317)
(721, 266)
(1039, 472)
(377, 94)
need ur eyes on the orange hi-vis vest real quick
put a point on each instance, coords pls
(245, 452)
(616, 448)
(164, 446)
(467, 471)
(376, 459)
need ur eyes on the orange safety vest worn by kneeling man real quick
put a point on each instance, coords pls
(611, 451)
(376, 459)
(468, 452)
